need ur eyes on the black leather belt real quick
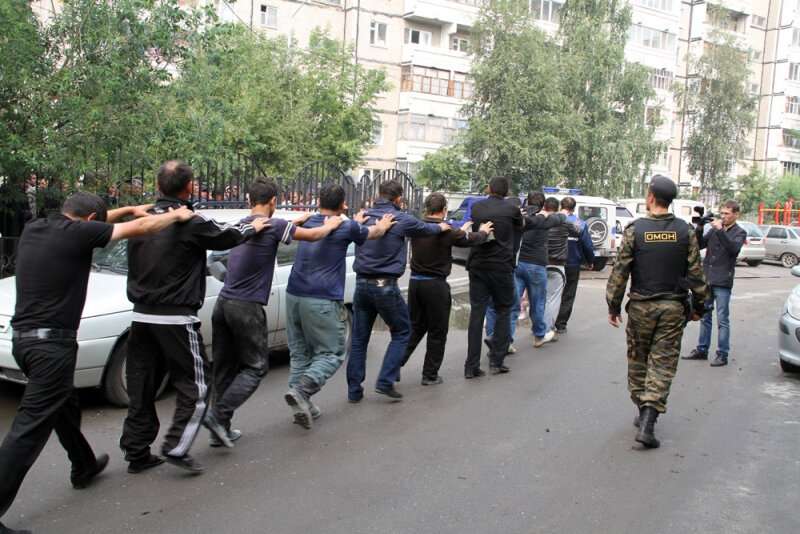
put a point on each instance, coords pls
(45, 333)
(379, 282)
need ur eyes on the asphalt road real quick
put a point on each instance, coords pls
(546, 448)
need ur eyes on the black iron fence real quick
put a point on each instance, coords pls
(219, 183)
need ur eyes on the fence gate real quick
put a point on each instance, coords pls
(412, 193)
(302, 191)
(224, 184)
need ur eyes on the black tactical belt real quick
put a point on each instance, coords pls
(45, 333)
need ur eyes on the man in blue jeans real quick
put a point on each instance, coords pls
(722, 243)
(316, 317)
(379, 264)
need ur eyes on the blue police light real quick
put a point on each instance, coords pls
(561, 190)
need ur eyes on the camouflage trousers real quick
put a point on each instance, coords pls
(654, 330)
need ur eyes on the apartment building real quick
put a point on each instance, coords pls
(422, 45)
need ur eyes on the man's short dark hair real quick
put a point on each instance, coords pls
(331, 197)
(390, 190)
(551, 204)
(435, 203)
(536, 198)
(732, 204)
(514, 200)
(568, 203)
(499, 186)
(83, 204)
(660, 202)
(262, 191)
(173, 177)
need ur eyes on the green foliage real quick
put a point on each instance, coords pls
(559, 111)
(444, 170)
(752, 188)
(718, 110)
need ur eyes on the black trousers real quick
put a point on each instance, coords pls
(429, 303)
(49, 403)
(568, 296)
(499, 286)
(240, 355)
(182, 347)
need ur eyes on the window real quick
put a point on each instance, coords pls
(459, 44)
(725, 19)
(759, 22)
(434, 81)
(461, 87)
(793, 105)
(451, 133)
(795, 37)
(779, 233)
(661, 79)
(790, 167)
(755, 55)
(662, 5)
(790, 139)
(651, 38)
(376, 136)
(546, 10)
(419, 37)
(377, 33)
(269, 16)
(428, 128)
(652, 116)
(794, 72)
(755, 88)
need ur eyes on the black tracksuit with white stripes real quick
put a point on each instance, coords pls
(166, 283)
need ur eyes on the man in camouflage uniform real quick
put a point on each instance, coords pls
(661, 255)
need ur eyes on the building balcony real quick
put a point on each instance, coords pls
(435, 56)
(461, 12)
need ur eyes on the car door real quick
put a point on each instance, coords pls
(776, 240)
(276, 312)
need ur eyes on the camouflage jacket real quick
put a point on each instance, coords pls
(618, 280)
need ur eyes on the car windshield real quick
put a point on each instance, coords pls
(751, 229)
(113, 257)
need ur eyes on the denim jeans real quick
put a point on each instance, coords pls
(491, 316)
(316, 330)
(721, 298)
(368, 302)
(534, 278)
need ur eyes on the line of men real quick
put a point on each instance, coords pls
(166, 284)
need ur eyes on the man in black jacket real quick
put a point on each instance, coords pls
(166, 283)
(722, 243)
(557, 240)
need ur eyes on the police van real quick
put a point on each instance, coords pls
(598, 213)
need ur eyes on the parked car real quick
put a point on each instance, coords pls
(624, 216)
(598, 213)
(106, 318)
(753, 251)
(789, 330)
(782, 243)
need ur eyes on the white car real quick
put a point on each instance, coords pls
(789, 330)
(107, 314)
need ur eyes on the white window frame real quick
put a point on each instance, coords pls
(793, 105)
(424, 37)
(652, 38)
(266, 11)
(795, 37)
(759, 22)
(459, 44)
(794, 72)
(376, 135)
(375, 29)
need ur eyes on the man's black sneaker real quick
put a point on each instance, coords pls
(100, 463)
(354, 400)
(498, 369)
(432, 381)
(390, 392)
(561, 330)
(185, 462)
(8, 530)
(488, 342)
(137, 466)
(474, 373)
(218, 430)
(233, 435)
(695, 355)
(720, 360)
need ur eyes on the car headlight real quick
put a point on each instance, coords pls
(793, 304)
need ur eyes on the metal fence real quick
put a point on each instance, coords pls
(218, 183)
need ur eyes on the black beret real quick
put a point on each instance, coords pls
(663, 188)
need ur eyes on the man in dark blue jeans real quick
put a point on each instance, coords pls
(722, 243)
(378, 265)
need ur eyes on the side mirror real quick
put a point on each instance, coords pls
(219, 271)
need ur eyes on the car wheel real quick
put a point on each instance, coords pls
(115, 386)
(753, 263)
(788, 259)
(788, 367)
(599, 263)
(598, 230)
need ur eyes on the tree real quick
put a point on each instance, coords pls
(564, 110)
(718, 110)
(752, 188)
(444, 170)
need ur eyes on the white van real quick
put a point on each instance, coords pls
(681, 207)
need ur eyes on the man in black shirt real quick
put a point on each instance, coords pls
(429, 298)
(491, 276)
(54, 258)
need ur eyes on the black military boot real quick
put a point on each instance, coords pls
(645, 435)
(638, 419)
(299, 399)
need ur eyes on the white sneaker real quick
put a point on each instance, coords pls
(511, 349)
(539, 341)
